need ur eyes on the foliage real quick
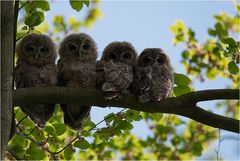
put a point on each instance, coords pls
(172, 137)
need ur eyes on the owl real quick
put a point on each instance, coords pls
(153, 76)
(36, 68)
(76, 66)
(115, 69)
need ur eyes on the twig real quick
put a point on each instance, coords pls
(219, 142)
(31, 131)
(77, 136)
(23, 5)
(23, 35)
(21, 120)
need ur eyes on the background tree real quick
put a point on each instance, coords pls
(217, 56)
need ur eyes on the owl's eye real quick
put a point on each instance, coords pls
(147, 60)
(30, 49)
(71, 46)
(112, 56)
(86, 46)
(44, 49)
(160, 60)
(127, 55)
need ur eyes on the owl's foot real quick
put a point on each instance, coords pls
(112, 95)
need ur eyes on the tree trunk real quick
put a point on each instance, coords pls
(7, 42)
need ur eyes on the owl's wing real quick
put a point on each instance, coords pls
(119, 77)
(142, 80)
(19, 75)
(161, 88)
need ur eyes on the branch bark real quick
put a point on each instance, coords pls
(7, 42)
(184, 105)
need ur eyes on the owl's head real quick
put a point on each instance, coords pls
(36, 49)
(121, 52)
(78, 47)
(154, 56)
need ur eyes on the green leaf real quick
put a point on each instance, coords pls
(133, 115)
(50, 130)
(220, 29)
(157, 116)
(85, 133)
(68, 153)
(76, 4)
(86, 2)
(185, 54)
(233, 68)
(35, 153)
(38, 134)
(125, 125)
(30, 8)
(180, 90)
(181, 79)
(60, 128)
(24, 28)
(18, 145)
(197, 148)
(212, 32)
(109, 118)
(34, 19)
(44, 5)
(82, 144)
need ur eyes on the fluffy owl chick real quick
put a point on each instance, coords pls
(153, 77)
(36, 68)
(114, 70)
(76, 66)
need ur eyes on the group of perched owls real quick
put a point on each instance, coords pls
(119, 70)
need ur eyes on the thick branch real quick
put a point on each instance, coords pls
(7, 41)
(211, 119)
(184, 105)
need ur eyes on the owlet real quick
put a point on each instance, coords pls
(36, 68)
(115, 69)
(153, 76)
(76, 68)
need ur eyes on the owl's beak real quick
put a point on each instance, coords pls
(79, 53)
(36, 56)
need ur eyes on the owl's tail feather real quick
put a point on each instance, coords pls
(75, 115)
(39, 113)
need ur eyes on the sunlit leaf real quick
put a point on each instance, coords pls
(181, 79)
(44, 5)
(60, 128)
(180, 90)
(68, 153)
(76, 4)
(233, 68)
(34, 19)
(82, 144)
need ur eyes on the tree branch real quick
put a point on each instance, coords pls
(184, 105)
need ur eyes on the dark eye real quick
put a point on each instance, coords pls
(72, 47)
(30, 48)
(160, 60)
(127, 55)
(112, 56)
(146, 60)
(44, 49)
(86, 47)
